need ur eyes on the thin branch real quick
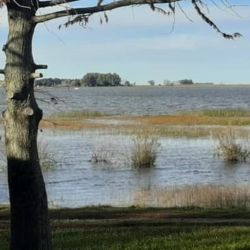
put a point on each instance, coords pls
(98, 8)
(206, 19)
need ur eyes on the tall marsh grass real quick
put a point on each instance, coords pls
(144, 150)
(230, 147)
(207, 196)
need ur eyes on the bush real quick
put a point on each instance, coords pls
(144, 150)
(230, 148)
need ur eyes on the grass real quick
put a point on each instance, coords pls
(185, 124)
(162, 237)
(230, 148)
(144, 150)
(155, 233)
(203, 196)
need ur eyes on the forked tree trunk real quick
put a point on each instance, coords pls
(28, 199)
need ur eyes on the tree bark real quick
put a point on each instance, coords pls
(28, 199)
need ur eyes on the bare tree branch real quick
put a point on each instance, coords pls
(98, 8)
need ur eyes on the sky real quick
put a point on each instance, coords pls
(141, 45)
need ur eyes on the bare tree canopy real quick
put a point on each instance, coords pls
(82, 14)
(166, 7)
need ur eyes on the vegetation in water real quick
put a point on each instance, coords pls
(144, 150)
(230, 147)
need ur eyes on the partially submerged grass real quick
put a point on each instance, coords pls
(144, 150)
(186, 124)
(230, 147)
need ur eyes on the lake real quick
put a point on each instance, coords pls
(77, 181)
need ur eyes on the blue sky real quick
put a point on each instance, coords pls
(141, 45)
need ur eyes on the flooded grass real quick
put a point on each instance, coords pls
(189, 124)
(144, 149)
(230, 148)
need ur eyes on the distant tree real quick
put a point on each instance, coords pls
(90, 79)
(186, 81)
(101, 80)
(151, 82)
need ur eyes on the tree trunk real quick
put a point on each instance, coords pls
(28, 199)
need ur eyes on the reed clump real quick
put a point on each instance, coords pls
(144, 150)
(230, 147)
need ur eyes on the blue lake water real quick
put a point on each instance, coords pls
(144, 100)
(76, 181)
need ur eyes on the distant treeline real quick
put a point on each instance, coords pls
(89, 80)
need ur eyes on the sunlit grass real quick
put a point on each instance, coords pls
(191, 124)
(172, 237)
(203, 196)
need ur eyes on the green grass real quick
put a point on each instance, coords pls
(175, 237)
(166, 237)
(72, 232)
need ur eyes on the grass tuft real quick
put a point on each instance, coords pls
(144, 150)
(230, 148)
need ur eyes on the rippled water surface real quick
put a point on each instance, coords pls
(141, 100)
(77, 181)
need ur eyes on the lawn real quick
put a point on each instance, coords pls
(149, 228)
